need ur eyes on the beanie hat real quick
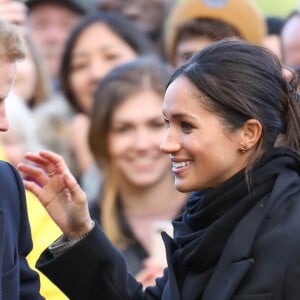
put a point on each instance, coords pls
(243, 15)
(80, 6)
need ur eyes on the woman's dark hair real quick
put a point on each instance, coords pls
(241, 81)
(120, 25)
(144, 73)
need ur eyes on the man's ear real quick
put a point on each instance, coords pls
(250, 134)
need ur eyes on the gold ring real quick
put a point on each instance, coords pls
(51, 173)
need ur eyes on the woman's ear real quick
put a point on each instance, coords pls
(250, 134)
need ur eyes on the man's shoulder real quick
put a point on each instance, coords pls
(6, 166)
(9, 176)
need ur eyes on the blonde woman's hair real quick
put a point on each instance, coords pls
(108, 213)
(145, 73)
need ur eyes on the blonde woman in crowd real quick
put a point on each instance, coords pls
(137, 194)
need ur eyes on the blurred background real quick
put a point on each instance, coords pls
(278, 7)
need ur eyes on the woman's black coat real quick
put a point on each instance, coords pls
(260, 260)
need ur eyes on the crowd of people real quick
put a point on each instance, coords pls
(129, 118)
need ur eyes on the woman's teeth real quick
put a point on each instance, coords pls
(177, 165)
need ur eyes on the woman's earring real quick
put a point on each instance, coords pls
(243, 148)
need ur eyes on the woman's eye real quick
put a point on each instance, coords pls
(122, 129)
(78, 66)
(112, 56)
(186, 127)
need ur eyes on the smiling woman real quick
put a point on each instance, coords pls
(236, 147)
(192, 130)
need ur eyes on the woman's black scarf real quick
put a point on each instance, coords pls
(210, 217)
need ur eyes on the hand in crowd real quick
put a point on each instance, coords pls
(58, 191)
(151, 271)
(13, 11)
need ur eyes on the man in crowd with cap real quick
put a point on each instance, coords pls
(194, 24)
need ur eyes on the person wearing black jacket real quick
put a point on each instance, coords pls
(233, 138)
(17, 280)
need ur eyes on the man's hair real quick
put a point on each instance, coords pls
(11, 42)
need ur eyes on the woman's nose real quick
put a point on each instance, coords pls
(142, 140)
(170, 143)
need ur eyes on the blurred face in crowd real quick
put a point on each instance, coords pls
(290, 41)
(134, 140)
(8, 71)
(92, 58)
(50, 25)
(148, 15)
(187, 47)
(26, 77)
(13, 146)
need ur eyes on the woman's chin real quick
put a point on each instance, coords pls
(183, 188)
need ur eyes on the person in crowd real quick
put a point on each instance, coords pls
(45, 25)
(32, 85)
(30, 89)
(85, 62)
(137, 193)
(233, 145)
(193, 25)
(148, 15)
(272, 37)
(13, 11)
(19, 138)
(18, 280)
(290, 41)
(49, 24)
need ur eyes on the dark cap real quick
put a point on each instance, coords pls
(80, 6)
